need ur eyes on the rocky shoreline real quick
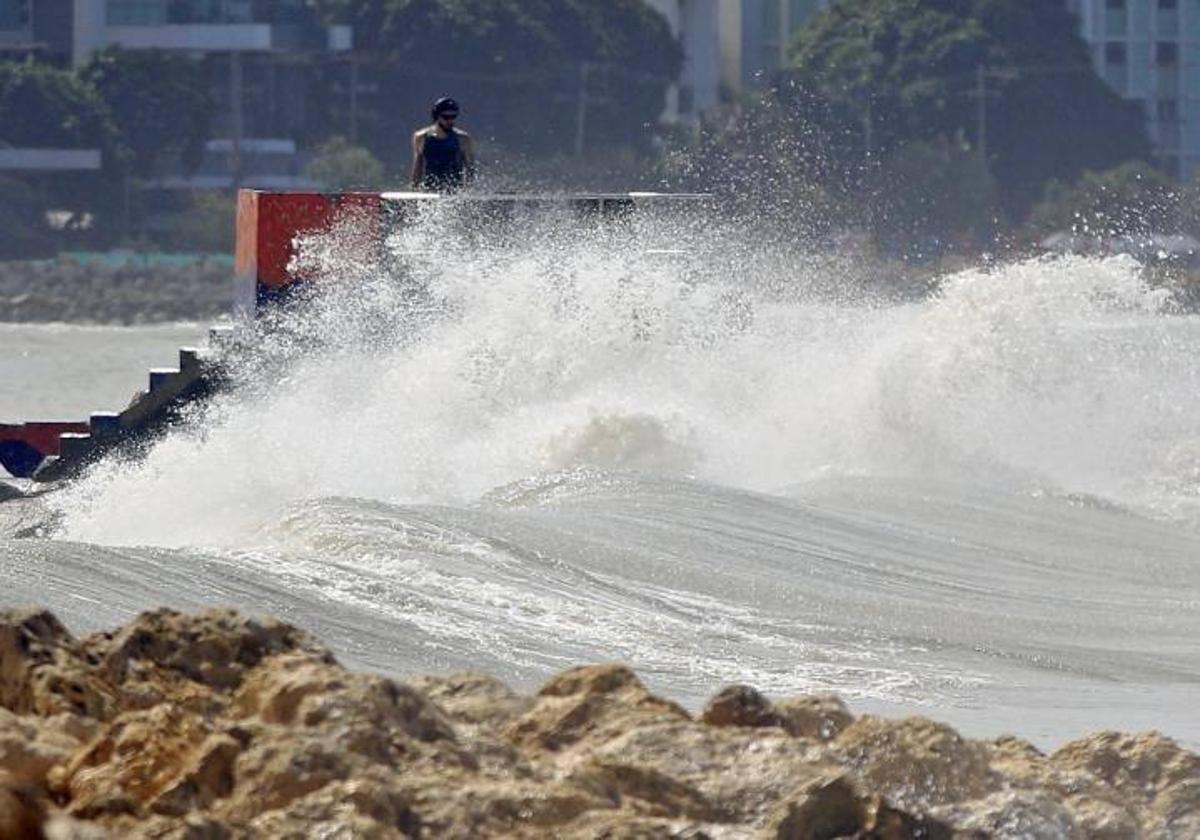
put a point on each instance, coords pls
(133, 291)
(218, 725)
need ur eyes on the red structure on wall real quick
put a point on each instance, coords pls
(23, 446)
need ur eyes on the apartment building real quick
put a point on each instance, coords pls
(1149, 50)
(38, 29)
(728, 46)
(695, 24)
(248, 48)
(755, 35)
(16, 25)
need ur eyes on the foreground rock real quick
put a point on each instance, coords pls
(221, 726)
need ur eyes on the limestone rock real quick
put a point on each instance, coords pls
(366, 807)
(135, 758)
(22, 811)
(818, 716)
(215, 648)
(740, 705)
(590, 703)
(829, 805)
(833, 805)
(29, 748)
(742, 773)
(471, 699)
(300, 691)
(915, 762)
(1138, 766)
(1014, 814)
(42, 669)
(217, 726)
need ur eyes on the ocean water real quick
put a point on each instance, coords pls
(67, 371)
(717, 463)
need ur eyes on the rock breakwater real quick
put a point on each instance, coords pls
(116, 292)
(218, 725)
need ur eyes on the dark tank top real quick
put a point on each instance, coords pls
(443, 162)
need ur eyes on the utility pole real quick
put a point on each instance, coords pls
(581, 107)
(235, 106)
(869, 80)
(353, 98)
(868, 130)
(981, 112)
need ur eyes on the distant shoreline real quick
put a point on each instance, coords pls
(120, 288)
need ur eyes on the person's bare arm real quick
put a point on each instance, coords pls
(418, 160)
(468, 153)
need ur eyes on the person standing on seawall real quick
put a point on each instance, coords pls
(443, 155)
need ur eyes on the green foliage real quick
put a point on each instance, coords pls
(159, 100)
(204, 225)
(41, 105)
(516, 67)
(764, 159)
(891, 72)
(340, 165)
(44, 106)
(1132, 198)
(935, 190)
(23, 231)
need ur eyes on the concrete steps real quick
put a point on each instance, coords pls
(167, 391)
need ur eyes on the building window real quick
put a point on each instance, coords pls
(158, 12)
(136, 12)
(1115, 5)
(1168, 5)
(1166, 54)
(14, 14)
(1168, 110)
(1114, 54)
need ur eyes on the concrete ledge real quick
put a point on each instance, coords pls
(23, 446)
(269, 224)
(170, 389)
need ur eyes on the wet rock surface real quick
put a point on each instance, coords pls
(219, 725)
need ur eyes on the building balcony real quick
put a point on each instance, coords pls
(22, 36)
(263, 162)
(228, 37)
(48, 160)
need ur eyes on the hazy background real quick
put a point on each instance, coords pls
(915, 131)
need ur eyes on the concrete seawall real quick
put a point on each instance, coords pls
(270, 227)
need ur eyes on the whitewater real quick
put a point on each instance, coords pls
(656, 444)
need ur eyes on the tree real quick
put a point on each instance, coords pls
(23, 231)
(528, 72)
(43, 106)
(207, 225)
(768, 163)
(160, 103)
(341, 166)
(1129, 199)
(1013, 77)
(934, 192)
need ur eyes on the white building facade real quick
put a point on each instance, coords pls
(248, 48)
(755, 36)
(728, 46)
(1149, 50)
(695, 24)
